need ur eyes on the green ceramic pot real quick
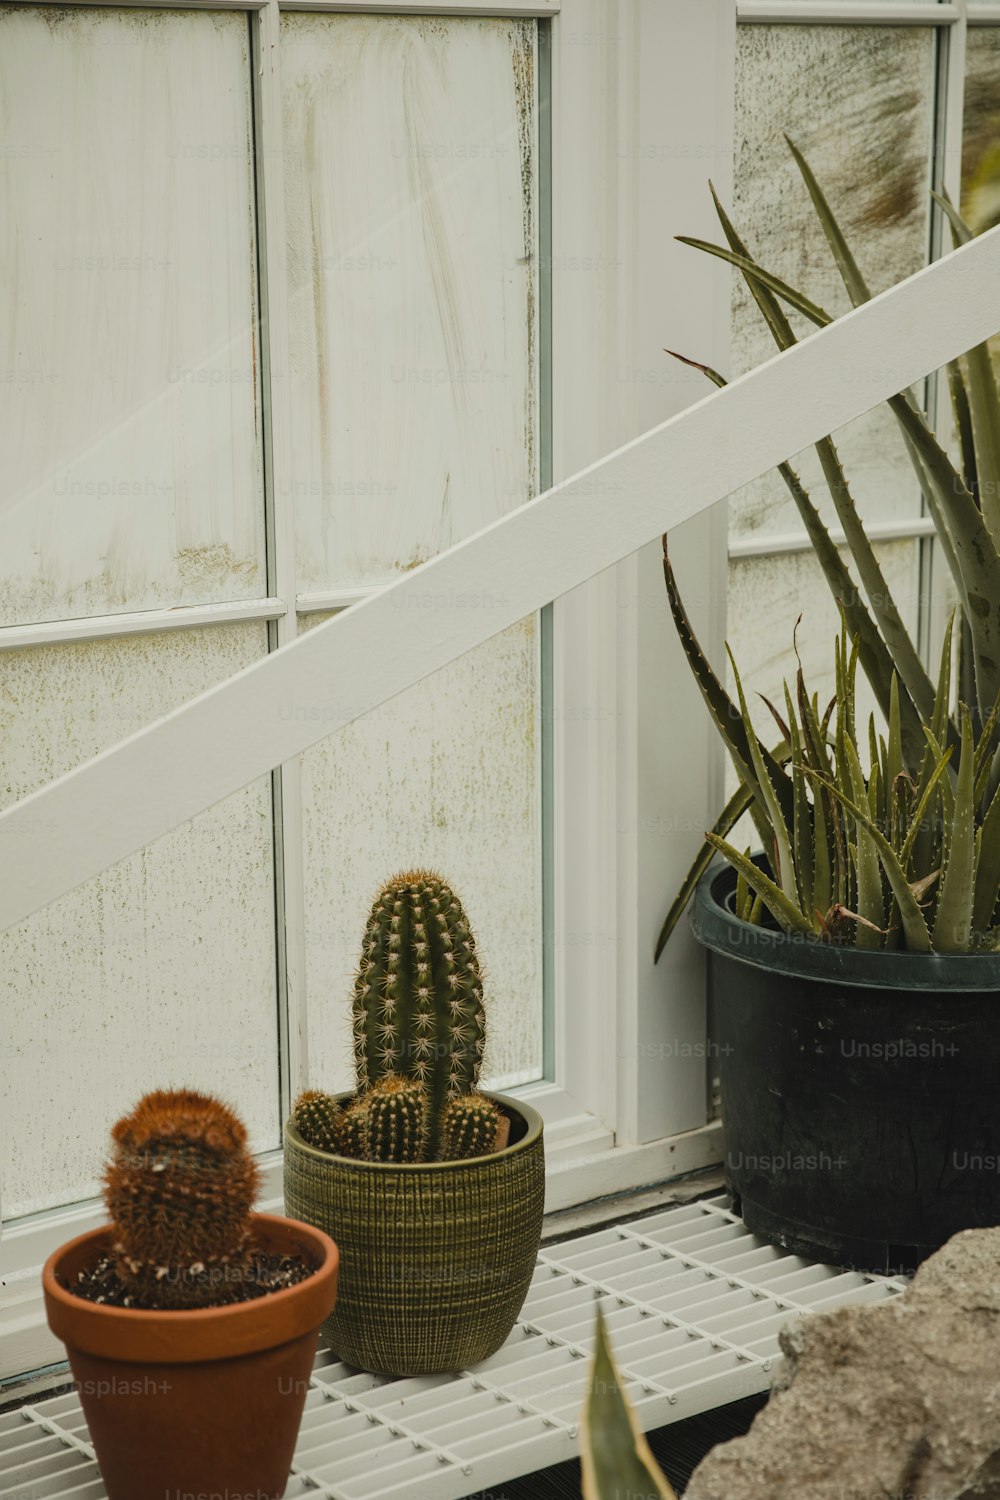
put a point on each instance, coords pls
(435, 1259)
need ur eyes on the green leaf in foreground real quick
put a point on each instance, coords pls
(615, 1456)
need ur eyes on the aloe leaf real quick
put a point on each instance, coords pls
(724, 712)
(875, 657)
(786, 871)
(734, 809)
(984, 751)
(953, 924)
(822, 863)
(956, 512)
(859, 292)
(801, 303)
(785, 911)
(615, 1457)
(890, 621)
(987, 867)
(850, 272)
(802, 823)
(963, 424)
(983, 399)
(870, 906)
(914, 926)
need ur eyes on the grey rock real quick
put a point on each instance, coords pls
(895, 1401)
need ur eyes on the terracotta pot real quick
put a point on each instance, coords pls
(203, 1402)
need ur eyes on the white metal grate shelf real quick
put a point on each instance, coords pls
(693, 1302)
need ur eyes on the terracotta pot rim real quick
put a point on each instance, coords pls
(530, 1116)
(204, 1334)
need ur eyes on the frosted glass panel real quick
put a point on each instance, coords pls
(445, 775)
(157, 973)
(981, 134)
(859, 102)
(132, 473)
(410, 151)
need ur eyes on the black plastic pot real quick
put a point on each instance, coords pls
(860, 1096)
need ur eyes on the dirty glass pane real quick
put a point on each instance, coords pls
(981, 133)
(157, 973)
(410, 172)
(445, 776)
(859, 103)
(130, 416)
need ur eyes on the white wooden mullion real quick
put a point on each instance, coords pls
(138, 622)
(194, 757)
(429, 8)
(833, 13)
(293, 1017)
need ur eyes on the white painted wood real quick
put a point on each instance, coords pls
(493, 8)
(141, 622)
(983, 13)
(158, 973)
(155, 4)
(769, 544)
(326, 601)
(269, 125)
(636, 124)
(132, 476)
(412, 284)
(833, 13)
(669, 763)
(277, 708)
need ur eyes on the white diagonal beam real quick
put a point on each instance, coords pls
(210, 747)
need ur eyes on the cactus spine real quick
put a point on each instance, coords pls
(418, 996)
(179, 1189)
(317, 1117)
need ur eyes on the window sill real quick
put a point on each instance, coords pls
(693, 1303)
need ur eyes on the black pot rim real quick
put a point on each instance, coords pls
(532, 1119)
(718, 929)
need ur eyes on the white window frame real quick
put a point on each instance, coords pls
(625, 773)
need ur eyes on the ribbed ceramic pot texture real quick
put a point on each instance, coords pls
(202, 1402)
(436, 1259)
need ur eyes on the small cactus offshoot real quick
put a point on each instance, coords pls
(397, 1121)
(179, 1189)
(470, 1128)
(316, 1117)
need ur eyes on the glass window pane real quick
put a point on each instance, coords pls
(129, 426)
(410, 176)
(157, 973)
(981, 129)
(859, 102)
(445, 776)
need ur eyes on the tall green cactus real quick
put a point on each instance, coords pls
(419, 1031)
(418, 995)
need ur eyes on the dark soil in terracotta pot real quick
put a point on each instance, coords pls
(267, 1273)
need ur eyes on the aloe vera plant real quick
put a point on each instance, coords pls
(952, 862)
(905, 855)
